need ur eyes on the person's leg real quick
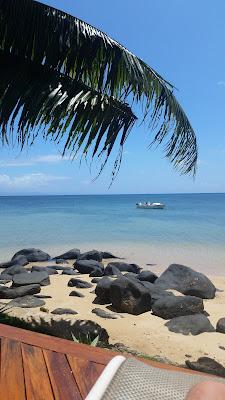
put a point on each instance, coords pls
(207, 390)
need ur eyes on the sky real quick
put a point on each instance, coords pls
(185, 42)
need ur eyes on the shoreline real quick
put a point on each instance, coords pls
(205, 259)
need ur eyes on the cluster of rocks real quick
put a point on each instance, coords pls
(26, 281)
(123, 287)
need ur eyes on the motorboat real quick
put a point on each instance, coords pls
(148, 205)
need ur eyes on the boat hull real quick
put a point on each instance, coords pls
(151, 207)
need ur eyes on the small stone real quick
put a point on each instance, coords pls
(61, 311)
(69, 272)
(95, 280)
(44, 309)
(222, 347)
(79, 283)
(76, 294)
(220, 326)
(104, 314)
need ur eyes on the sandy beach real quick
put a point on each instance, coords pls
(144, 333)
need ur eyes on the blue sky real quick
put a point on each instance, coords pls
(185, 42)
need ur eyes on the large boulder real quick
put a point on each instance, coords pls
(187, 281)
(121, 266)
(107, 254)
(102, 290)
(26, 302)
(18, 260)
(49, 270)
(147, 276)
(207, 365)
(72, 254)
(176, 306)
(97, 273)
(32, 255)
(129, 296)
(156, 292)
(190, 324)
(15, 269)
(91, 255)
(29, 278)
(12, 293)
(79, 283)
(220, 326)
(88, 266)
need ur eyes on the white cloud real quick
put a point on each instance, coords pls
(202, 162)
(33, 180)
(45, 159)
(221, 83)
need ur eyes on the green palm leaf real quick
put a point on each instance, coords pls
(33, 96)
(70, 47)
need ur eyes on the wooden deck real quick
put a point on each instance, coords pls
(40, 367)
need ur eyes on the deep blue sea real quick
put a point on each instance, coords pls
(190, 225)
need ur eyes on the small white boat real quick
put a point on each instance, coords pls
(150, 205)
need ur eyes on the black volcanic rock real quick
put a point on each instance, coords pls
(102, 290)
(207, 365)
(29, 278)
(190, 324)
(147, 276)
(61, 311)
(168, 307)
(91, 255)
(121, 266)
(32, 255)
(130, 296)
(79, 283)
(26, 302)
(187, 281)
(15, 269)
(88, 266)
(220, 326)
(12, 293)
(72, 254)
(75, 293)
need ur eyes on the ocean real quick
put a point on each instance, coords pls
(190, 230)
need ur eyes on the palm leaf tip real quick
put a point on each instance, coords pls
(75, 54)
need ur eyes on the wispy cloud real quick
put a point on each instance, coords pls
(221, 83)
(45, 159)
(202, 162)
(29, 181)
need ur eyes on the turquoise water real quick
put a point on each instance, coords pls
(196, 220)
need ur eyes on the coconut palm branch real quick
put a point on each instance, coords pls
(86, 82)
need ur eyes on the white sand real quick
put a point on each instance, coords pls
(145, 333)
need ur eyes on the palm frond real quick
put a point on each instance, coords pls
(73, 48)
(35, 99)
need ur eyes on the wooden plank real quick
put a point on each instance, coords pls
(85, 372)
(82, 351)
(57, 344)
(37, 381)
(12, 377)
(64, 385)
